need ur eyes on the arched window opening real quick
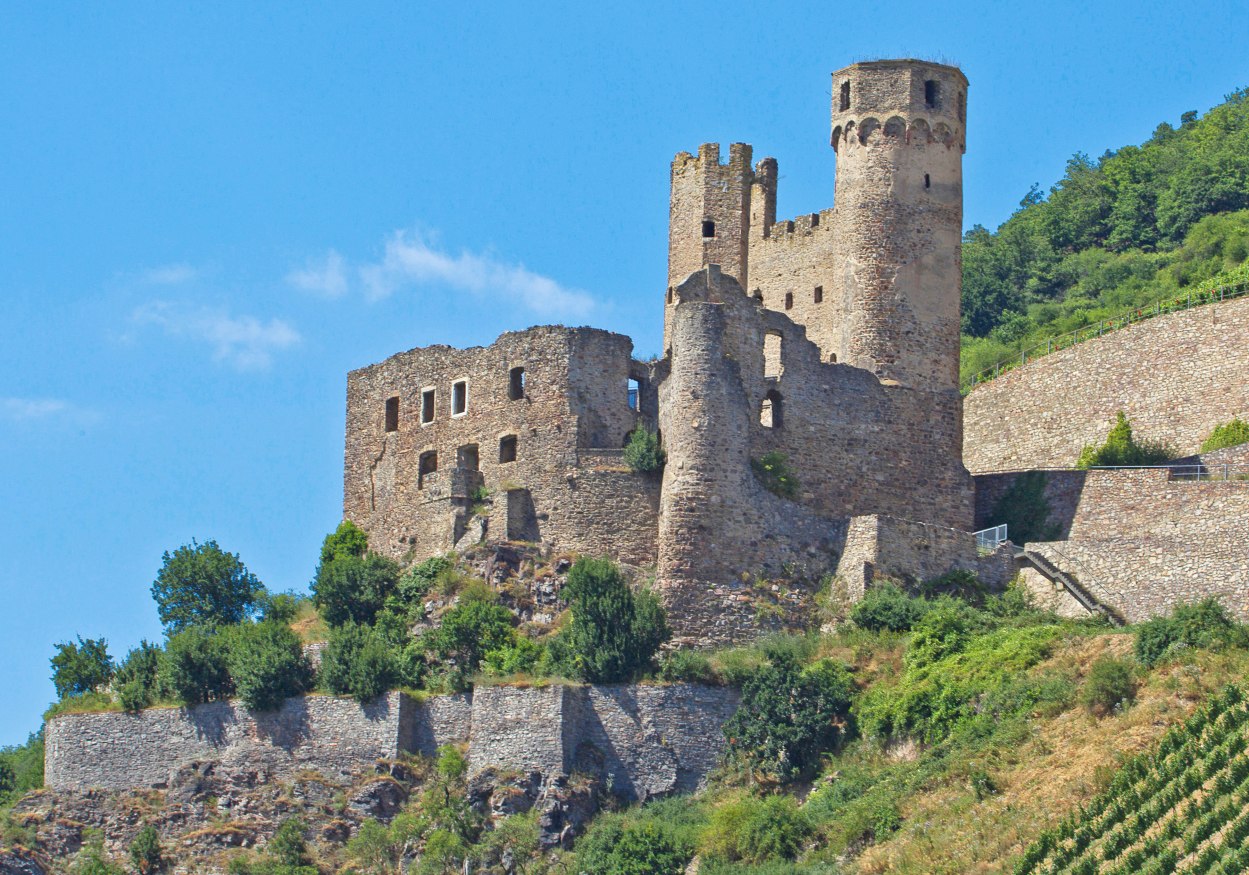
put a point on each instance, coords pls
(772, 354)
(516, 383)
(709, 228)
(466, 457)
(507, 448)
(392, 413)
(770, 413)
(427, 465)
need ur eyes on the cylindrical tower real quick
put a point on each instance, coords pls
(898, 130)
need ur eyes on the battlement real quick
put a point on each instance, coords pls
(799, 226)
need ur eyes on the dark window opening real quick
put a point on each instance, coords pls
(459, 397)
(634, 390)
(427, 465)
(466, 457)
(789, 300)
(962, 106)
(818, 296)
(507, 448)
(845, 95)
(669, 294)
(927, 181)
(516, 384)
(392, 413)
(427, 406)
(770, 415)
(930, 93)
(832, 357)
(709, 228)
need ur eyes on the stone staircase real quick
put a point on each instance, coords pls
(1068, 581)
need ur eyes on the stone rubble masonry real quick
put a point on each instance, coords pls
(1141, 539)
(1175, 377)
(650, 739)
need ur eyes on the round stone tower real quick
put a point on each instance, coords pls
(898, 130)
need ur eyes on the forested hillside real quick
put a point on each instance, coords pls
(1115, 233)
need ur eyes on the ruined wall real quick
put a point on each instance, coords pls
(574, 398)
(326, 734)
(1175, 376)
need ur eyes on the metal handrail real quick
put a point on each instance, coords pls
(1106, 598)
(1196, 473)
(1161, 307)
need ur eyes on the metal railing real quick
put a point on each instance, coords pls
(991, 538)
(1195, 473)
(1194, 298)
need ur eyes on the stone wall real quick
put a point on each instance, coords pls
(1175, 377)
(649, 739)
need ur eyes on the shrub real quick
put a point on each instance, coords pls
(93, 860)
(352, 589)
(773, 471)
(687, 665)
(193, 666)
(202, 585)
(358, 662)
(137, 678)
(81, 668)
(468, 632)
(1204, 624)
(22, 768)
(789, 716)
(756, 830)
(642, 848)
(946, 628)
(1025, 510)
(615, 632)
(145, 851)
(886, 607)
(642, 453)
(1109, 685)
(418, 580)
(1121, 448)
(267, 664)
(1229, 434)
(346, 540)
(522, 656)
(279, 607)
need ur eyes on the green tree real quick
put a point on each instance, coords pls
(194, 666)
(138, 677)
(81, 668)
(1228, 434)
(615, 632)
(352, 589)
(21, 768)
(790, 716)
(468, 632)
(643, 453)
(358, 661)
(641, 848)
(145, 851)
(267, 664)
(346, 540)
(202, 585)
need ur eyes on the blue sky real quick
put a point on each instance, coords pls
(210, 212)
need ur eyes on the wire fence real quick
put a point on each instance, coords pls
(1197, 297)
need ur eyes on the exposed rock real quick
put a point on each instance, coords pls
(18, 861)
(381, 799)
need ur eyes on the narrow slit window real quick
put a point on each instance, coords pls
(930, 93)
(927, 181)
(392, 413)
(709, 228)
(962, 106)
(516, 384)
(789, 300)
(507, 448)
(669, 294)
(428, 465)
(818, 295)
(770, 411)
(427, 406)
(459, 398)
(634, 393)
(845, 95)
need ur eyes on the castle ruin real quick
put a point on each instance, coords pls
(832, 338)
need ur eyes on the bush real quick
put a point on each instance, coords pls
(81, 668)
(756, 831)
(1025, 510)
(1121, 448)
(522, 656)
(279, 607)
(145, 851)
(945, 629)
(773, 471)
(137, 678)
(615, 632)
(288, 848)
(687, 665)
(1229, 434)
(194, 668)
(93, 860)
(887, 608)
(358, 662)
(1110, 685)
(642, 453)
(202, 585)
(267, 664)
(21, 768)
(352, 589)
(468, 632)
(643, 848)
(789, 716)
(1205, 624)
(418, 580)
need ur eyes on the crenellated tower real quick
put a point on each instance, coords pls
(898, 128)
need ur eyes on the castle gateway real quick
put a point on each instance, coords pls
(831, 339)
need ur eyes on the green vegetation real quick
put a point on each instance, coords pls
(1228, 434)
(1121, 449)
(266, 664)
(353, 589)
(1205, 625)
(1025, 511)
(642, 453)
(359, 662)
(286, 854)
(146, 855)
(1128, 229)
(1110, 685)
(202, 585)
(81, 668)
(21, 768)
(773, 471)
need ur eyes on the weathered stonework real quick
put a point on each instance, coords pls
(644, 740)
(1175, 377)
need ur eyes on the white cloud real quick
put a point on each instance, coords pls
(169, 275)
(15, 409)
(327, 277)
(245, 342)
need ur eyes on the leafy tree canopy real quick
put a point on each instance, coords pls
(202, 585)
(81, 668)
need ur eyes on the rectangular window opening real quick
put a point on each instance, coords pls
(466, 457)
(427, 406)
(818, 295)
(930, 93)
(459, 398)
(516, 384)
(507, 448)
(789, 300)
(709, 228)
(771, 354)
(392, 413)
(634, 388)
(845, 95)
(428, 465)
